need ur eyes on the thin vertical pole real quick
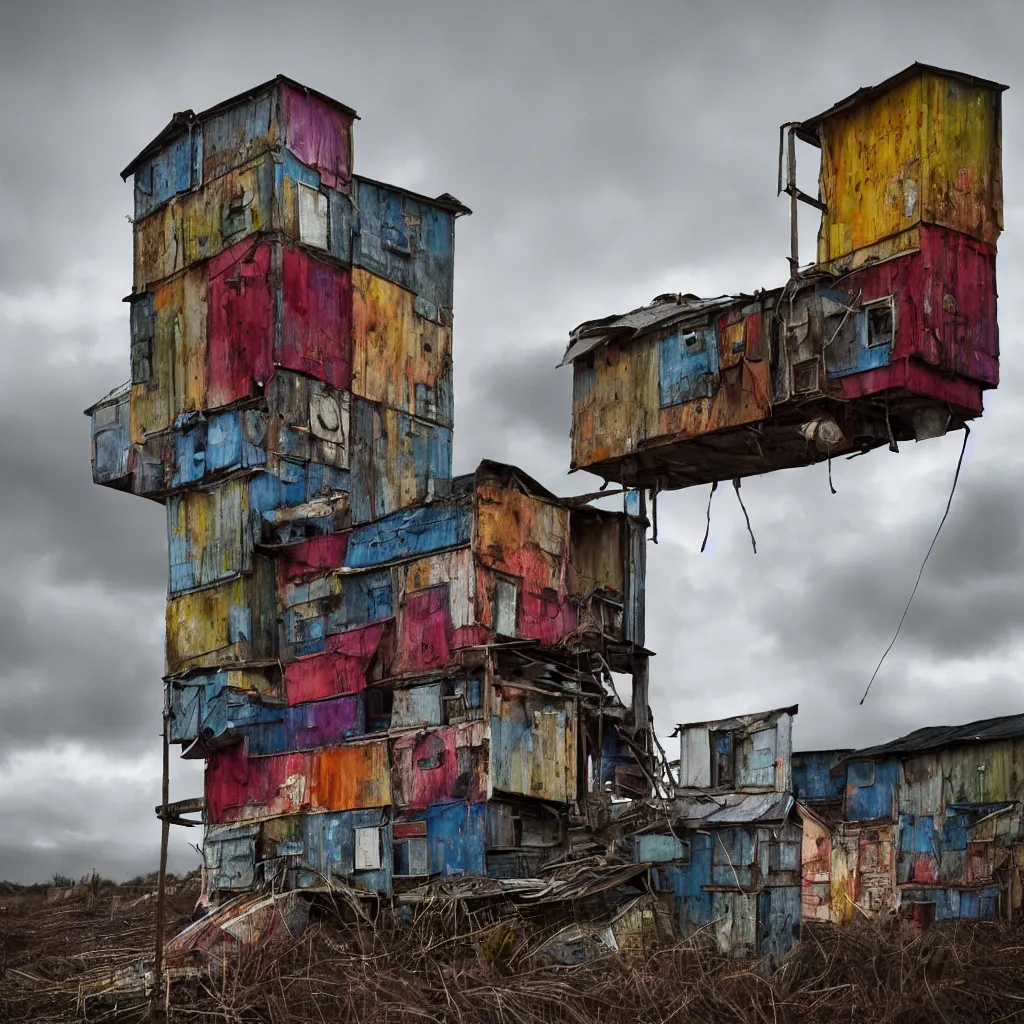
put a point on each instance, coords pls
(165, 826)
(794, 207)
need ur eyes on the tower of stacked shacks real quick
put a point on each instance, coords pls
(389, 672)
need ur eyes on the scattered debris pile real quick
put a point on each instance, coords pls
(463, 951)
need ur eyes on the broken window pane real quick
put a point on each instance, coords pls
(410, 857)
(879, 324)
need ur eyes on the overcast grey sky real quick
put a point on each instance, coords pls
(610, 151)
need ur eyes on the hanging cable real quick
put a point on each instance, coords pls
(736, 488)
(830, 487)
(956, 477)
(707, 529)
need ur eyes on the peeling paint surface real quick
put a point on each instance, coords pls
(335, 594)
(900, 309)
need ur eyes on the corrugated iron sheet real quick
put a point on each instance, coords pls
(407, 240)
(533, 744)
(319, 134)
(239, 787)
(242, 321)
(452, 842)
(208, 536)
(227, 623)
(400, 359)
(927, 151)
(343, 667)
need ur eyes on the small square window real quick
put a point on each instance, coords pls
(807, 377)
(410, 858)
(860, 774)
(312, 216)
(506, 595)
(367, 856)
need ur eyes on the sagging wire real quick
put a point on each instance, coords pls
(956, 477)
(707, 529)
(736, 488)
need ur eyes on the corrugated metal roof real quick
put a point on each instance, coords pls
(180, 122)
(936, 737)
(746, 810)
(810, 126)
(445, 201)
(738, 721)
(111, 397)
(663, 311)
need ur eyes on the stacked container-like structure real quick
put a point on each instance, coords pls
(890, 336)
(390, 672)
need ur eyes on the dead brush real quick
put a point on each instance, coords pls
(453, 960)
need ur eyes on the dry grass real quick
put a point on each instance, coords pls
(453, 965)
(59, 947)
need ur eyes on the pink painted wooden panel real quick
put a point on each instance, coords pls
(319, 135)
(312, 557)
(240, 325)
(316, 318)
(945, 315)
(547, 618)
(443, 764)
(240, 787)
(342, 667)
(424, 628)
(959, 302)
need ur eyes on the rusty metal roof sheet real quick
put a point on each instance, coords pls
(808, 129)
(753, 808)
(663, 311)
(119, 393)
(445, 201)
(739, 721)
(937, 737)
(182, 120)
(508, 475)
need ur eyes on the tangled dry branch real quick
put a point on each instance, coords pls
(455, 964)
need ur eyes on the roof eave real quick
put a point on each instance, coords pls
(807, 129)
(166, 135)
